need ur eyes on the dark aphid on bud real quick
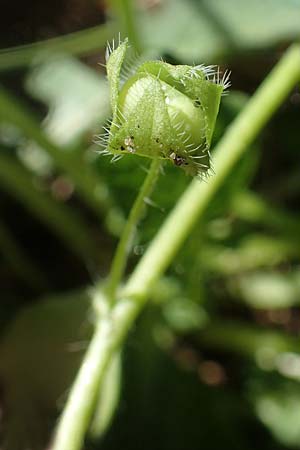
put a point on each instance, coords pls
(163, 111)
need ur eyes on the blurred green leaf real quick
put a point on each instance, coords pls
(252, 252)
(193, 30)
(40, 353)
(255, 209)
(268, 289)
(279, 411)
(183, 315)
(76, 95)
(88, 184)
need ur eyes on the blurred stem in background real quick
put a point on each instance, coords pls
(79, 43)
(249, 341)
(253, 208)
(255, 251)
(124, 11)
(112, 326)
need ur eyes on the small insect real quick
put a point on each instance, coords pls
(162, 107)
(178, 160)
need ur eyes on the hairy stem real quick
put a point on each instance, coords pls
(120, 257)
(112, 330)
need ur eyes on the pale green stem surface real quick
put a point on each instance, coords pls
(125, 243)
(107, 401)
(112, 329)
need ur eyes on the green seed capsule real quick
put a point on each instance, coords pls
(164, 111)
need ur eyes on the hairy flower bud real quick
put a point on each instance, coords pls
(164, 111)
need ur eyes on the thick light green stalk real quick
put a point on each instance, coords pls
(113, 328)
(120, 257)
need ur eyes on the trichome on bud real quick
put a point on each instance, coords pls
(163, 111)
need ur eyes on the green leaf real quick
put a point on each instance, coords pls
(115, 59)
(192, 30)
(269, 289)
(278, 409)
(76, 95)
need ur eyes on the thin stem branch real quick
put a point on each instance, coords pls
(112, 329)
(246, 340)
(120, 257)
(78, 43)
(124, 10)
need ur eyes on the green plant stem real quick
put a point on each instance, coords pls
(110, 333)
(108, 401)
(79, 43)
(79, 409)
(125, 243)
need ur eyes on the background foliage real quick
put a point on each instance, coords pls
(214, 358)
